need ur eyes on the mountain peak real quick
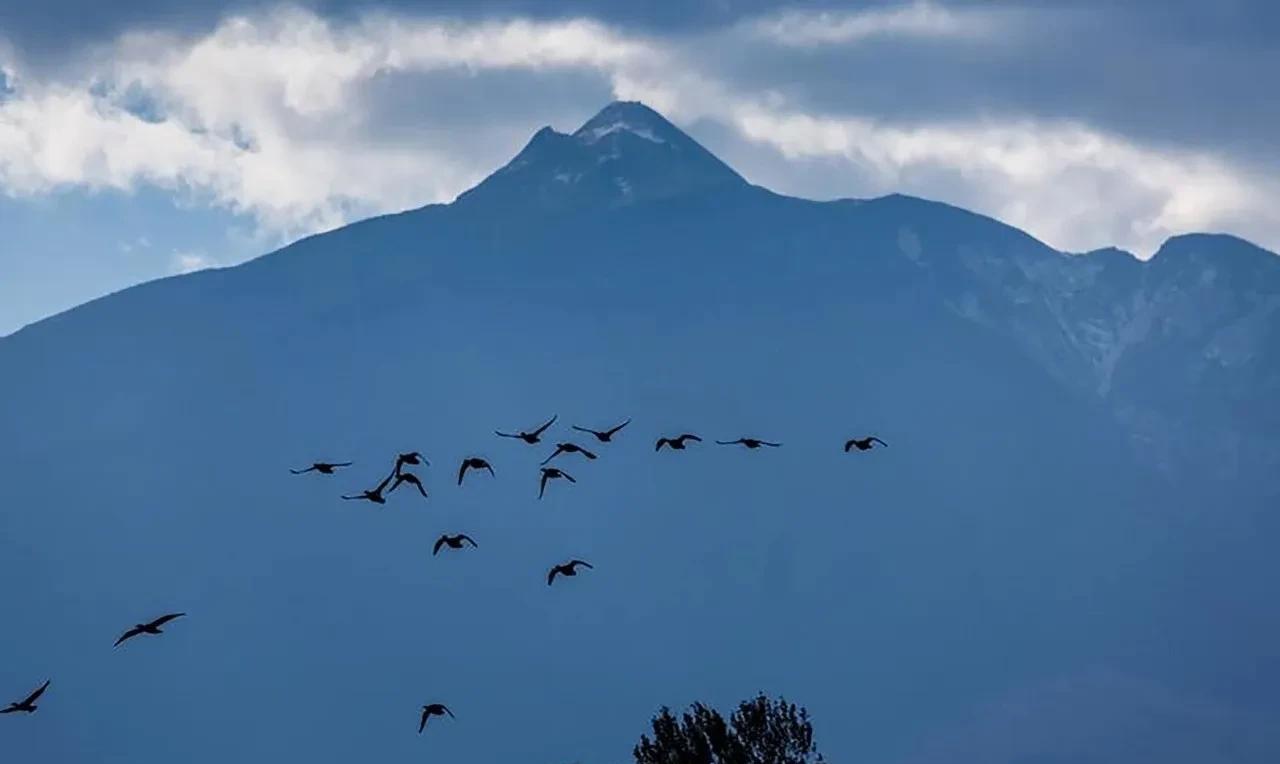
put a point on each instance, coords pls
(624, 154)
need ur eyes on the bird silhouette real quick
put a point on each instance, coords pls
(529, 437)
(148, 628)
(413, 457)
(862, 444)
(569, 448)
(677, 444)
(453, 542)
(748, 442)
(29, 704)
(430, 710)
(375, 495)
(551, 473)
(473, 463)
(604, 436)
(324, 468)
(411, 479)
(570, 568)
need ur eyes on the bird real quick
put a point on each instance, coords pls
(748, 442)
(677, 444)
(529, 437)
(569, 448)
(473, 463)
(29, 704)
(375, 495)
(411, 479)
(604, 436)
(453, 542)
(324, 468)
(551, 473)
(430, 710)
(862, 444)
(413, 457)
(570, 568)
(148, 628)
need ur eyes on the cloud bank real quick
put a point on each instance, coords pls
(298, 121)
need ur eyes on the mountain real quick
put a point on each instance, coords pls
(1079, 481)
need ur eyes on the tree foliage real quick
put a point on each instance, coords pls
(761, 731)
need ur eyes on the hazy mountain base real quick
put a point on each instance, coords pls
(1007, 538)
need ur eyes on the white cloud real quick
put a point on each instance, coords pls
(271, 116)
(189, 262)
(917, 19)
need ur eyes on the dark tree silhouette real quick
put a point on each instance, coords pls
(761, 731)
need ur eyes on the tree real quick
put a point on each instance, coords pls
(761, 731)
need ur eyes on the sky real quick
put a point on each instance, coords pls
(140, 139)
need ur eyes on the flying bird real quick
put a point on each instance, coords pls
(569, 448)
(430, 710)
(677, 444)
(551, 473)
(604, 436)
(411, 479)
(148, 628)
(862, 444)
(28, 705)
(375, 495)
(453, 542)
(413, 457)
(529, 437)
(748, 442)
(473, 463)
(570, 568)
(324, 468)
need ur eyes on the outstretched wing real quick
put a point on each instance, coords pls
(767, 443)
(729, 442)
(162, 620)
(465, 537)
(690, 436)
(567, 476)
(881, 442)
(615, 430)
(551, 575)
(554, 454)
(436, 549)
(462, 470)
(301, 472)
(584, 429)
(130, 634)
(490, 468)
(586, 453)
(583, 563)
(548, 423)
(33, 696)
(447, 711)
(422, 724)
(542, 485)
(341, 464)
(848, 446)
(658, 446)
(505, 434)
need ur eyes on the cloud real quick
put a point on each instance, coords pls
(189, 262)
(289, 118)
(917, 19)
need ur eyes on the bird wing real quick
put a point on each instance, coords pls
(690, 436)
(352, 498)
(848, 444)
(505, 434)
(384, 482)
(881, 442)
(767, 443)
(556, 453)
(583, 563)
(423, 724)
(567, 476)
(465, 537)
(586, 453)
(490, 468)
(548, 423)
(729, 442)
(128, 635)
(33, 696)
(584, 429)
(300, 472)
(614, 431)
(447, 711)
(462, 470)
(436, 549)
(551, 576)
(658, 446)
(341, 464)
(542, 485)
(162, 620)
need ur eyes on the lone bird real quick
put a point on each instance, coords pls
(411, 479)
(604, 436)
(570, 568)
(862, 444)
(430, 710)
(473, 463)
(748, 442)
(677, 444)
(569, 448)
(531, 438)
(551, 473)
(413, 457)
(148, 628)
(375, 495)
(324, 468)
(28, 705)
(453, 542)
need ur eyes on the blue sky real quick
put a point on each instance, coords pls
(139, 139)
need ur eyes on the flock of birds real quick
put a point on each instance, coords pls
(400, 476)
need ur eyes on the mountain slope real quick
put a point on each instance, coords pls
(1010, 533)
